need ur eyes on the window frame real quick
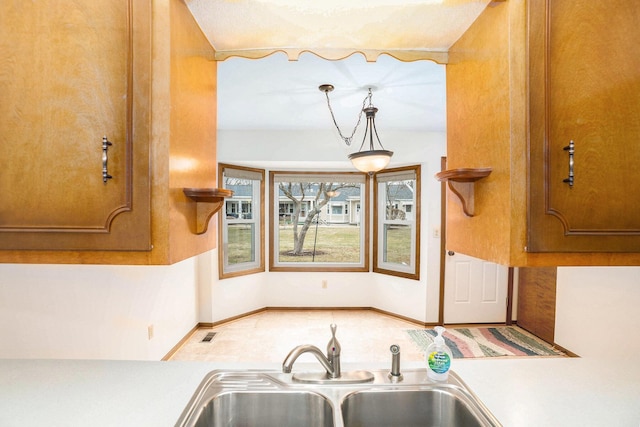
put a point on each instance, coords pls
(257, 218)
(274, 194)
(379, 221)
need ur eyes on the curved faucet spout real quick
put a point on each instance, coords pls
(287, 365)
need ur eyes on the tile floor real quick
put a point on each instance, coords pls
(365, 336)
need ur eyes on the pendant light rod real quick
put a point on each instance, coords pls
(370, 113)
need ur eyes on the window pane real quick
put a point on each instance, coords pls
(241, 249)
(240, 243)
(324, 243)
(314, 228)
(397, 243)
(240, 232)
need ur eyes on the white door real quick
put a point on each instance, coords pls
(475, 291)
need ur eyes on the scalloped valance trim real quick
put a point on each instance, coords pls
(371, 55)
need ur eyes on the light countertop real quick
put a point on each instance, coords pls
(519, 392)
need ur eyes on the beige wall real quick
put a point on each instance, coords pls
(192, 132)
(597, 310)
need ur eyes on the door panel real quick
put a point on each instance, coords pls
(584, 85)
(475, 290)
(462, 274)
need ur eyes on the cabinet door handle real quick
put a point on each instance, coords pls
(105, 147)
(571, 148)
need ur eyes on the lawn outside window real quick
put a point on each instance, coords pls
(317, 223)
(397, 222)
(241, 222)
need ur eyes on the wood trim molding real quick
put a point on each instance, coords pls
(509, 320)
(443, 240)
(180, 343)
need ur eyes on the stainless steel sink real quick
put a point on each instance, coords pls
(249, 398)
(271, 398)
(266, 408)
(437, 406)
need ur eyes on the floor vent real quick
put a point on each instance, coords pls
(208, 337)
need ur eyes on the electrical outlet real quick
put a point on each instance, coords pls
(436, 232)
(150, 331)
(324, 284)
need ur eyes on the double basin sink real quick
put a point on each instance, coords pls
(269, 399)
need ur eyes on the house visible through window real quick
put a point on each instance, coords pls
(311, 227)
(318, 221)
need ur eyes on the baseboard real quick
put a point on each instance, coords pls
(176, 347)
(405, 318)
(275, 308)
(377, 310)
(565, 351)
(474, 325)
(231, 319)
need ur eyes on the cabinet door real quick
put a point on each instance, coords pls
(73, 72)
(584, 87)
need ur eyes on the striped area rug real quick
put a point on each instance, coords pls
(504, 341)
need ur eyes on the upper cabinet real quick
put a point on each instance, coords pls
(75, 71)
(74, 134)
(525, 80)
(584, 68)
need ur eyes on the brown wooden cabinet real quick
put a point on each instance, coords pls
(73, 73)
(516, 96)
(537, 301)
(584, 65)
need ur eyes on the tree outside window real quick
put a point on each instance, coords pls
(319, 236)
(319, 221)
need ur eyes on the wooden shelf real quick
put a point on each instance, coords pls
(208, 201)
(462, 183)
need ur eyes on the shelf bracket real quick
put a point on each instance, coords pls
(461, 182)
(208, 202)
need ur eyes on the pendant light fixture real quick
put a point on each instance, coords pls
(371, 160)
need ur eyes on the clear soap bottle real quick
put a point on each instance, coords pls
(438, 357)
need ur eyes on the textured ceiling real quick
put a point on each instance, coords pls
(333, 29)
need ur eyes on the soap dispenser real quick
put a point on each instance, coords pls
(438, 357)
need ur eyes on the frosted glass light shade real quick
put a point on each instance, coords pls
(371, 161)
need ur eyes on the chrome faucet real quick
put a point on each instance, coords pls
(331, 362)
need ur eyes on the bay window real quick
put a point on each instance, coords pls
(396, 222)
(241, 231)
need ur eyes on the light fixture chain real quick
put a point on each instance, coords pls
(370, 160)
(347, 140)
